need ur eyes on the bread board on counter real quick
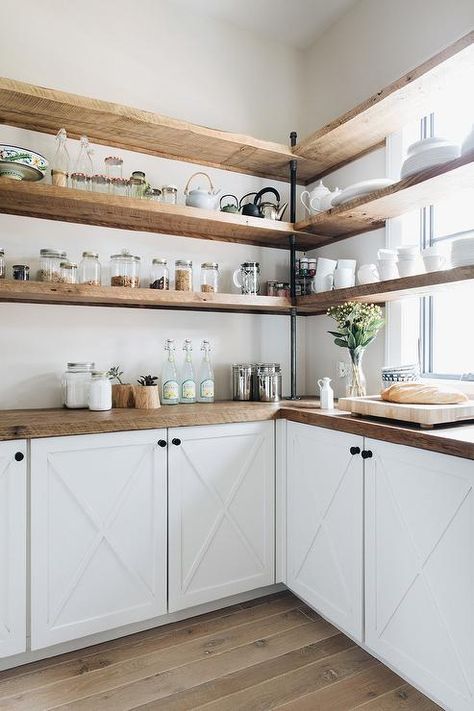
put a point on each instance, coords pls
(423, 415)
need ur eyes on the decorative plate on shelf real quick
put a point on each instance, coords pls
(21, 163)
(360, 189)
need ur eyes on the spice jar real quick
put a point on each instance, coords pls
(50, 264)
(271, 288)
(159, 274)
(100, 391)
(282, 289)
(210, 277)
(183, 276)
(169, 194)
(2, 264)
(100, 184)
(21, 272)
(76, 382)
(120, 186)
(125, 269)
(68, 272)
(138, 184)
(90, 269)
(304, 266)
(312, 266)
(79, 181)
(113, 167)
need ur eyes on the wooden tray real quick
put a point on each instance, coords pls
(423, 415)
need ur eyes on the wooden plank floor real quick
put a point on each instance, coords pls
(271, 653)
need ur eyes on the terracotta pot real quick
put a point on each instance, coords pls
(147, 397)
(122, 396)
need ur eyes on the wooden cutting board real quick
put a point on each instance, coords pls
(423, 415)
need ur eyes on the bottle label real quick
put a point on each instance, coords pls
(188, 390)
(171, 390)
(207, 389)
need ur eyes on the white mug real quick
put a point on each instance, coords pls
(347, 264)
(388, 269)
(344, 278)
(434, 262)
(325, 266)
(409, 267)
(368, 274)
(322, 282)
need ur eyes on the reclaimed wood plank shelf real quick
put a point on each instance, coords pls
(40, 109)
(67, 205)
(366, 126)
(383, 291)
(370, 212)
(37, 292)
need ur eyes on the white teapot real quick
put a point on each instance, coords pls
(326, 200)
(199, 197)
(312, 200)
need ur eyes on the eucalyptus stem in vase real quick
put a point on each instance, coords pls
(358, 325)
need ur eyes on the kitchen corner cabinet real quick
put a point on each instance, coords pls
(98, 533)
(12, 547)
(420, 568)
(221, 511)
(325, 523)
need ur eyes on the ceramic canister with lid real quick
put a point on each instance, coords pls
(76, 382)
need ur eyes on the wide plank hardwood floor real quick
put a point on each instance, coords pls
(271, 653)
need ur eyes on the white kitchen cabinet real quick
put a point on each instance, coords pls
(221, 511)
(420, 569)
(325, 523)
(98, 533)
(12, 547)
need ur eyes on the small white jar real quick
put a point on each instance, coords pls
(100, 392)
(76, 382)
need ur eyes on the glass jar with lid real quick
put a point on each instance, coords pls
(138, 184)
(113, 166)
(76, 382)
(50, 264)
(125, 269)
(68, 272)
(100, 183)
(210, 277)
(120, 186)
(169, 194)
(80, 181)
(90, 269)
(183, 275)
(100, 391)
(2, 263)
(160, 278)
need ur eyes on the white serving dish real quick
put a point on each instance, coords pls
(360, 189)
(428, 153)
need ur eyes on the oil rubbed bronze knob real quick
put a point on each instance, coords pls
(162, 443)
(176, 441)
(354, 450)
(19, 456)
(366, 454)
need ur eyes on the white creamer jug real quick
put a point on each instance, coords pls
(326, 394)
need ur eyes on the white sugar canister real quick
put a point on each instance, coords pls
(100, 391)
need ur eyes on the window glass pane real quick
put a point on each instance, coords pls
(453, 332)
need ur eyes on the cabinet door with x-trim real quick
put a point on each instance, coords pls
(98, 533)
(221, 511)
(325, 523)
(420, 569)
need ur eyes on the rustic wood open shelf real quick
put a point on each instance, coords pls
(37, 292)
(67, 205)
(366, 126)
(370, 212)
(383, 291)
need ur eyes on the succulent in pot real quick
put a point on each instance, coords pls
(147, 380)
(147, 394)
(122, 393)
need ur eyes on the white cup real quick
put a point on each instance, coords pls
(434, 262)
(368, 274)
(409, 267)
(325, 266)
(387, 269)
(344, 278)
(387, 254)
(347, 264)
(322, 283)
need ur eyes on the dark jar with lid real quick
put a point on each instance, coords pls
(21, 272)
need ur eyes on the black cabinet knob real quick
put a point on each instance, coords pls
(366, 454)
(176, 441)
(19, 456)
(162, 443)
(354, 450)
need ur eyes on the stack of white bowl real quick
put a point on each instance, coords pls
(400, 374)
(344, 274)
(462, 251)
(409, 261)
(387, 264)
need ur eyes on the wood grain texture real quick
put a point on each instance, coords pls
(383, 291)
(51, 202)
(40, 109)
(259, 655)
(370, 212)
(424, 415)
(413, 95)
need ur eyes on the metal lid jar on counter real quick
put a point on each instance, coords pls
(125, 269)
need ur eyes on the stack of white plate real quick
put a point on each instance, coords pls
(400, 374)
(428, 153)
(361, 189)
(462, 251)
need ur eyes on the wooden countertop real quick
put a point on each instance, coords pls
(457, 440)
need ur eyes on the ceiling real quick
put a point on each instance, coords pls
(293, 22)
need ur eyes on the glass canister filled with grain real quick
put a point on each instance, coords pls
(183, 275)
(125, 269)
(68, 272)
(160, 278)
(210, 277)
(50, 264)
(90, 269)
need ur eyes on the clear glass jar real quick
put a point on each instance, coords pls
(154, 194)
(2, 264)
(50, 264)
(125, 269)
(183, 275)
(169, 194)
(312, 261)
(90, 269)
(271, 288)
(76, 382)
(160, 278)
(138, 184)
(21, 272)
(100, 391)
(210, 277)
(113, 167)
(120, 186)
(80, 181)
(68, 272)
(100, 184)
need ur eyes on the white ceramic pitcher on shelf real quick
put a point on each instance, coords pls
(312, 200)
(326, 394)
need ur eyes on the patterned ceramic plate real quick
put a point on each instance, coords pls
(14, 160)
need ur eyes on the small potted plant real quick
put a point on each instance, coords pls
(147, 394)
(122, 393)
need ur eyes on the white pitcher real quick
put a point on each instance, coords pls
(326, 394)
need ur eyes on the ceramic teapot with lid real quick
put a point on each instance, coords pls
(200, 197)
(270, 210)
(249, 208)
(229, 207)
(313, 200)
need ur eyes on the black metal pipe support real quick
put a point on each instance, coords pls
(292, 240)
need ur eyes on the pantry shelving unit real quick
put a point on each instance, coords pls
(360, 130)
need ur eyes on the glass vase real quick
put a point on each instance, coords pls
(356, 386)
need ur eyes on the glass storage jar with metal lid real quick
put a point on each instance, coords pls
(183, 275)
(76, 382)
(80, 181)
(160, 278)
(210, 277)
(125, 269)
(169, 194)
(2, 263)
(100, 183)
(50, 264)
(90, 269)
(100, 391)
(120, 186)
(113, 166)
(68, 272)
(138, 184)
(21, 272)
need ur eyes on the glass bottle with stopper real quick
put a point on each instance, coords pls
(206, 375)
(60, 167)
(169, 378)
(188, 379)
(84, 165)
